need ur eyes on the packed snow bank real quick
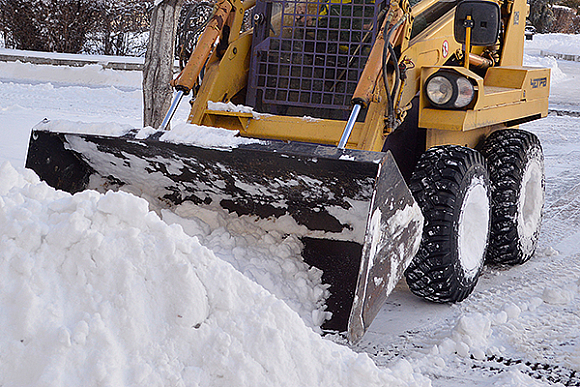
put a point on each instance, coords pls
(560, 43)
(93, 75)
(98, 290)
(556, 74)
(556, 43)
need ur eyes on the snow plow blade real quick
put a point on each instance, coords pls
(361, 225)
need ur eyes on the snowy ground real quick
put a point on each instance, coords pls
(77, 312)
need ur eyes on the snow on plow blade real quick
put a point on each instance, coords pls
(360, 223)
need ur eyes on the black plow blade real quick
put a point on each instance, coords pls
(361, 224)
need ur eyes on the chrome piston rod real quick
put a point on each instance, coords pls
(169, 115)
(349, 126)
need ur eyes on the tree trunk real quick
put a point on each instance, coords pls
(159, 59)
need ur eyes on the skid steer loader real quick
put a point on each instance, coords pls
(387, 129)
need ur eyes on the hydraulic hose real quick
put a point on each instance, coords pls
(370, 77)
(389, 53)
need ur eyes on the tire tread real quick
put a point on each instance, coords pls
(506, 152)
(435, 184)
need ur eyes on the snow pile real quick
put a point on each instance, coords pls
(556, 74)
(205, 136)
(481, 341)
(98, 128)
(477, 335)
(262, 252)
(510, 343)
(97, 290)
(470, 337)
(91, 74)
(551, 43)
(231, 107)
(559, 43)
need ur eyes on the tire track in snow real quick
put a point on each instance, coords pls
(561, 143)
(544, 372)
(561, 217)
(539, 328)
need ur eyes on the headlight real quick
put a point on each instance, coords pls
(446, 89)
(439, 90)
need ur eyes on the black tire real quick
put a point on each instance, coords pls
(516, 166)
(449, 183)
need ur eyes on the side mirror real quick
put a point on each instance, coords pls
(485, 22)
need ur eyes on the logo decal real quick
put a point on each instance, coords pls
(539, 82)
(445, 48)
